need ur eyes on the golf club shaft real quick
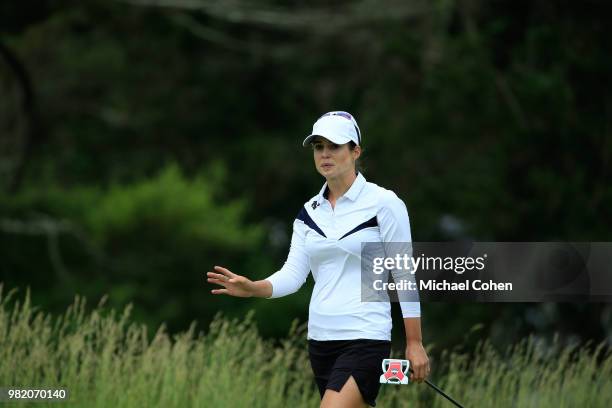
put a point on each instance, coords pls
(442, 393)
(439, 391)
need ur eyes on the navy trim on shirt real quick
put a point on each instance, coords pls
(372, 222)
(303, 216)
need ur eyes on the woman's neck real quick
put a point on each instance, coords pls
(340, 185)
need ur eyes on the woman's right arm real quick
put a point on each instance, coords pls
(286, 281)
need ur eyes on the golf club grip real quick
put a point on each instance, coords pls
(439, 391)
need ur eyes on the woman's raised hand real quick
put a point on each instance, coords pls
(236, 285)
(233, 285)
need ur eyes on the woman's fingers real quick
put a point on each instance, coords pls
(217, 282)
(417, 372)
(234, 285)
(217, 276)
(420, 371)
(225, 271)
(222, 279)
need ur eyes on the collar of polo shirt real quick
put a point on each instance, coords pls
(352, 193)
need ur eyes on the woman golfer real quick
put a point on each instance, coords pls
(347, 338)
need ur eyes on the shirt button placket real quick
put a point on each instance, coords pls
(335, 234)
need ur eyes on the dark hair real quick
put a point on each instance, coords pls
(358, 165)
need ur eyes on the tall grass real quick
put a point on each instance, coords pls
(106, 360)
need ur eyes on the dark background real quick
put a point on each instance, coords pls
(142, 144)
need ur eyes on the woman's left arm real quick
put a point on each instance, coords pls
(415, 352)
(395, 229)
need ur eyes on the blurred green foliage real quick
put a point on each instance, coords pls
(148, 242)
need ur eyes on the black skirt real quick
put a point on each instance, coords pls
(334, 361)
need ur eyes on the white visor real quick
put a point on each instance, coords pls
(337, 127)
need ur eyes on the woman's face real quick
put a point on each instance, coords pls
(332, 160)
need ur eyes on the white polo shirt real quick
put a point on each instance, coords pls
(327, 241)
